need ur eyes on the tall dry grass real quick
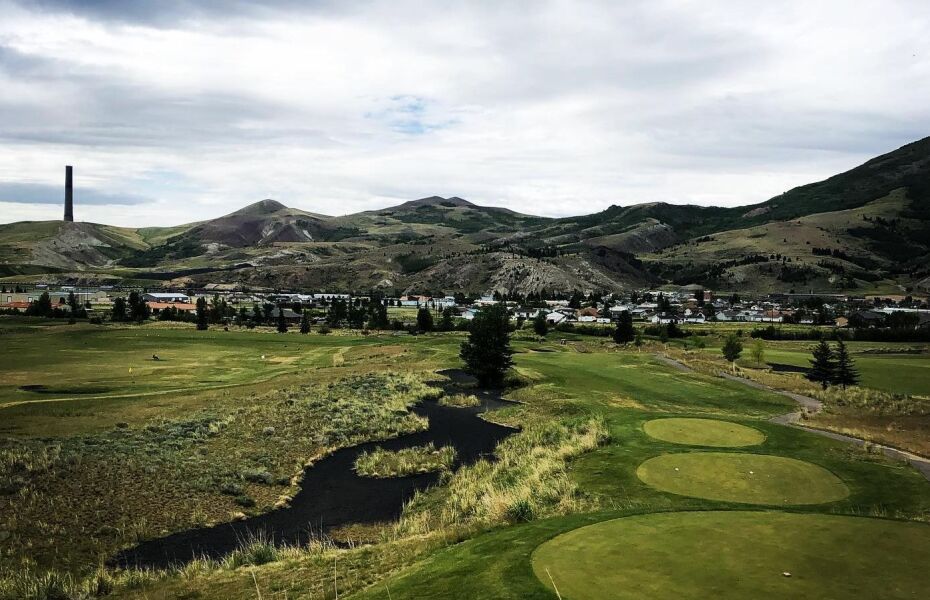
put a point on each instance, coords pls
(527, 480)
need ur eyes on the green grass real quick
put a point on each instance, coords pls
(703, 432)
(407, 461)
(895, 373)
(95, 377)
(597, 380)
(736, 555)
(471, 537)
(460, 400)
(73, 501)
(749, 478)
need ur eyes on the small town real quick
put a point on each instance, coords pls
(688, 305)
(411, 300)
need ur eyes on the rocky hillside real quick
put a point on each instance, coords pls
(867, 229)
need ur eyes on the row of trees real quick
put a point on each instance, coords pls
(832, 367)
(43, 307)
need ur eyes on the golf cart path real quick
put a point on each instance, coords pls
(813, 405)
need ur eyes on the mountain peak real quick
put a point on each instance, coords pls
(452, 202)
(262, 207)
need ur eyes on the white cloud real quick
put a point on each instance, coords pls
(549, 108)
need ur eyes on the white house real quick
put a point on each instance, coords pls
(663, 319)
(443, 302)
(554, 318)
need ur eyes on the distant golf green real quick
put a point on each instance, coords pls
(703, 432)
(749, 478)
(736, 555)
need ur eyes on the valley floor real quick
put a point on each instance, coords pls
(224, 417)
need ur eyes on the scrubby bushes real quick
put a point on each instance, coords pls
(106, 490)
(871, 401)
(528, 479)
(460, 400)
(407, 461)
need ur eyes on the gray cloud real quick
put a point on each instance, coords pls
(552, 107)
(38, 193)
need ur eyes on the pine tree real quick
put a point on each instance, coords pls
(846, 372)
(487, 352)
(625, 333)
(446, 322)
(282, 322)
(379, 316)
(540, 326)
(305, 322)
(424, 320)
(202, 317)
(823, 367)
(119, 309)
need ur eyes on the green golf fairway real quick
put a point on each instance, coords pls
(750, 478)
(737, 555)
(703, 432)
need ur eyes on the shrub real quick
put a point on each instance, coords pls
(258, 550)
(231, 488)
(245, 501)
(460, 400)
(520, 511)
(528, 480)
(408, 461)
(258, 476)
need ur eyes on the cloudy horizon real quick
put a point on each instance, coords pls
(179, 111)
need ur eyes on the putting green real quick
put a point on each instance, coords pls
(703, 432)
(750, 478)
(737, 555)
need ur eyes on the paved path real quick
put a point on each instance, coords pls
(812, 405)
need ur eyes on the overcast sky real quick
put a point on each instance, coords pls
(176, 110)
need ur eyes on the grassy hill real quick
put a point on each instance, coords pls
(866, 229)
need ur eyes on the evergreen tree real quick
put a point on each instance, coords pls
(282, 322)
(823, 367)
(379, 316)
(625, 333)
(41, 307)
(575, 300)
(846, 372)
(305, 322)
(271, 311)
(732, 348)
(119, 310)
(540, 326)
(487, 352)
(138, 310)
(424, 320)
(665, 305)
(337, 313)
(447, 321)
(638, 340)
(202, 316)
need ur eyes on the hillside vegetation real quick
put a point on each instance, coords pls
(866, 229)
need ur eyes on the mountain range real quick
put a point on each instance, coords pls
(866, 230)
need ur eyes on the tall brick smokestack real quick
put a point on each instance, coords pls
(69, 195)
